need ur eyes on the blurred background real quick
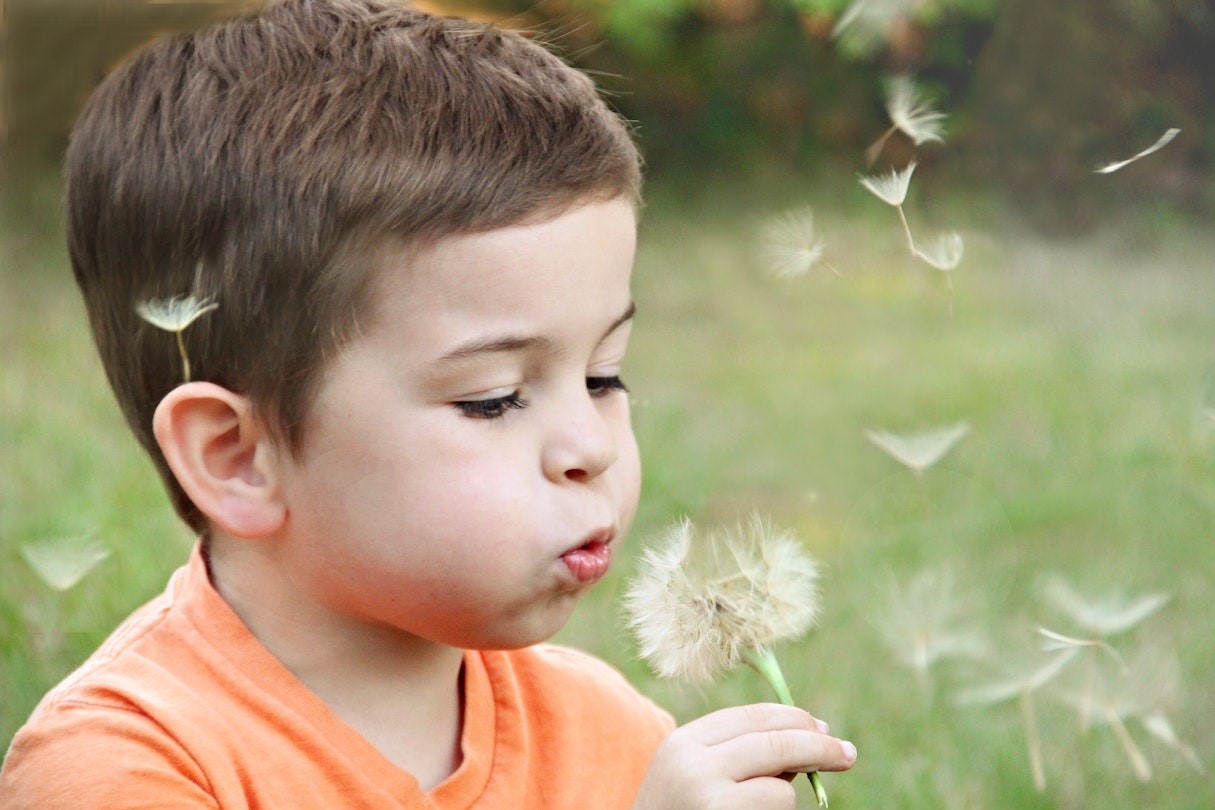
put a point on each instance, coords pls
(1022, 440)
(1037, 91)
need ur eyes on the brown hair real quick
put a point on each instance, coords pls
(261, 163)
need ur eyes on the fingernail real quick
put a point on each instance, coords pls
(849, 751)
(822, 727)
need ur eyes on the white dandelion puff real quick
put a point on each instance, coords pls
(703, 604)
(919, 451)
(791, 245)
(175, 315)
(892, 188)
(911, 114)
(1160, 144)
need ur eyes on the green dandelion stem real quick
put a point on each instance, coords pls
(764, 662)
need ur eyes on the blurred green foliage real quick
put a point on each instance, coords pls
(1039, 92)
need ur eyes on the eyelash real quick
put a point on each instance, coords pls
(497, 407)
(602, 386)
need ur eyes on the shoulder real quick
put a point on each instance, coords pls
(81, 755)
(100, 737)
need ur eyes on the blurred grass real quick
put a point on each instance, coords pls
(1084, 367)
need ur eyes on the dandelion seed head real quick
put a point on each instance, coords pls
(790, 245)
(890, 188)
(700, 601)
(911, 113)
(176, 313)
(944, 253)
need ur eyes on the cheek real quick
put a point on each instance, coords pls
(629, 465)
(467, 495)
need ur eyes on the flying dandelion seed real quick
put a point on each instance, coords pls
(910, 114)
(1021, 688)
(867, 23)
(1160, 144)
(791, 246)
(175, 315)
(702, 605)
(1105, 617)
(922, 623)
(1102, 618)
(1016, 684)
(1135, 691)
(851, 14)
(1054, 642)
(892, 190)
(1158, 725)
(62, 564)
(919, 451)
(944, 253)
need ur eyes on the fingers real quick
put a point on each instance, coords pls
(768, 753)
(726, 724)
(767, 739)
(767, 792)
(740, 757)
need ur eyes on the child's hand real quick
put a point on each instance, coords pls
(740, 757)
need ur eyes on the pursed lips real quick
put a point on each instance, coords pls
(590, 560)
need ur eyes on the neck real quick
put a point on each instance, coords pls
(402, 693)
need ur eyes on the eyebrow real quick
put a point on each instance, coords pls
(515, 343)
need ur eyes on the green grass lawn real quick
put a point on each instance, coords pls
(1084, 368)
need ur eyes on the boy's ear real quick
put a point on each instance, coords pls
(223, 457)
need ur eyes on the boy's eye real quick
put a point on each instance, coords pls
(602, 386)
(493, 408)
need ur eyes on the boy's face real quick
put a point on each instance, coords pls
(469, 465)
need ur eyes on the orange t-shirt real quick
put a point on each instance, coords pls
(183, 708)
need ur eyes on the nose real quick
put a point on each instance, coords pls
(582, 444)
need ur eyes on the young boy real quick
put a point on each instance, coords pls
(402, 437)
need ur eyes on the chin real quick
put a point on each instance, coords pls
(540, 627)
